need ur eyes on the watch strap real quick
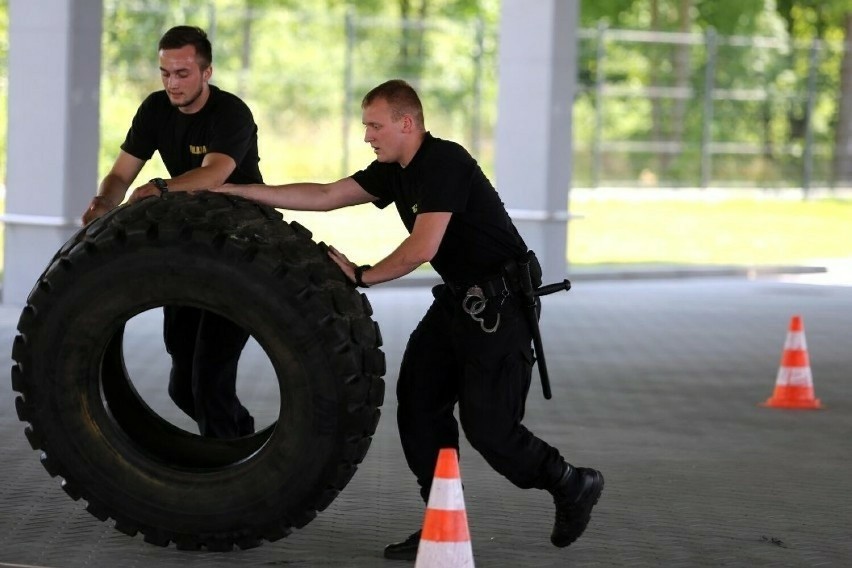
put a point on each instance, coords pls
(359, 275)
(160, 184)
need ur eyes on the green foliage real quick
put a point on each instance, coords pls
(303, 67)
(813, 18)
(730, 17)
(614, 13)
(760, 89)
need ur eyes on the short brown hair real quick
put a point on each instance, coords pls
(400, 96)
(180, 36)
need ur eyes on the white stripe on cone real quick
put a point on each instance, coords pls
(795, 376)
(446, 494)
(796, 340)
(432, 554)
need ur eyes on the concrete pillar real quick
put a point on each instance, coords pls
(54, 96)
(533, 160)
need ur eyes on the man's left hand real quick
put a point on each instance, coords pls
(144, 191)
(347, 266)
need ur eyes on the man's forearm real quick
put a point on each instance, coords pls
(113, 189)
(406, 258)
(294, 196)
(204, 177)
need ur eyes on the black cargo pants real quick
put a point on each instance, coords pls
(449, 359)
(205, 350)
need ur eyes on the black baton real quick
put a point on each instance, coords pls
(530, 294)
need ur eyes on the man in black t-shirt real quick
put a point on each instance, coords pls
(473, 346)
(205, 137)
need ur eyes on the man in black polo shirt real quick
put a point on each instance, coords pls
(205, 137)
(473, 346)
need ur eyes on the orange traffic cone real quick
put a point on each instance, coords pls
(445, 541)
(794, 386)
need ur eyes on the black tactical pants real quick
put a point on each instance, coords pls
(449, 359)
(205, 350)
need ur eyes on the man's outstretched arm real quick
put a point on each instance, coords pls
(214, 170)
(303, 196)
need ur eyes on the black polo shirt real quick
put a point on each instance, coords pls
(224, 125)
(444, 177)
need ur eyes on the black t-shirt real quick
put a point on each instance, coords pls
(224, 125)
(444, 177)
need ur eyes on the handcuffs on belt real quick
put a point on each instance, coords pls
(474, 303)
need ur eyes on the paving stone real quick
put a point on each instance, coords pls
(655, 382)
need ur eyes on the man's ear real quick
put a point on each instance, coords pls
(407, 123)
(207, 73)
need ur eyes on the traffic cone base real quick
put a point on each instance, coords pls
(445, 540)
(793, 397)
(794, 386)
(444, 555)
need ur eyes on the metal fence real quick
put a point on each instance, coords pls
(699, 110)
(652, 108)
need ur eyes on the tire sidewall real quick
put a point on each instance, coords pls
(282, 479)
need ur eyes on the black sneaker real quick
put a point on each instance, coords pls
(405, 550)
(574, 498)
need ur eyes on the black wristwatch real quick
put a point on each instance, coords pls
(359, 274)
(160, 184)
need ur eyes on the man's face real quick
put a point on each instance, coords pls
(380, 132)
(182, 77)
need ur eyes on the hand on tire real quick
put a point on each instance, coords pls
(346, 265)
(144, 191)
(100, 205)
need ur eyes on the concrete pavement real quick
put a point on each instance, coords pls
(656, 382)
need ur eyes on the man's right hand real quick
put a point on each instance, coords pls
(99, 205)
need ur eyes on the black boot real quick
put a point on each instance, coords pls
(574, 495)
(405, 550)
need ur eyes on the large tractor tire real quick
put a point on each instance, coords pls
(242, 261)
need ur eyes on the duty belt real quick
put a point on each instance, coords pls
(521, 277)
(490, 287)
(477, 294)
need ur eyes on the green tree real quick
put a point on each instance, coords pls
(816, 19)
(413, 44)
(842, 166)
